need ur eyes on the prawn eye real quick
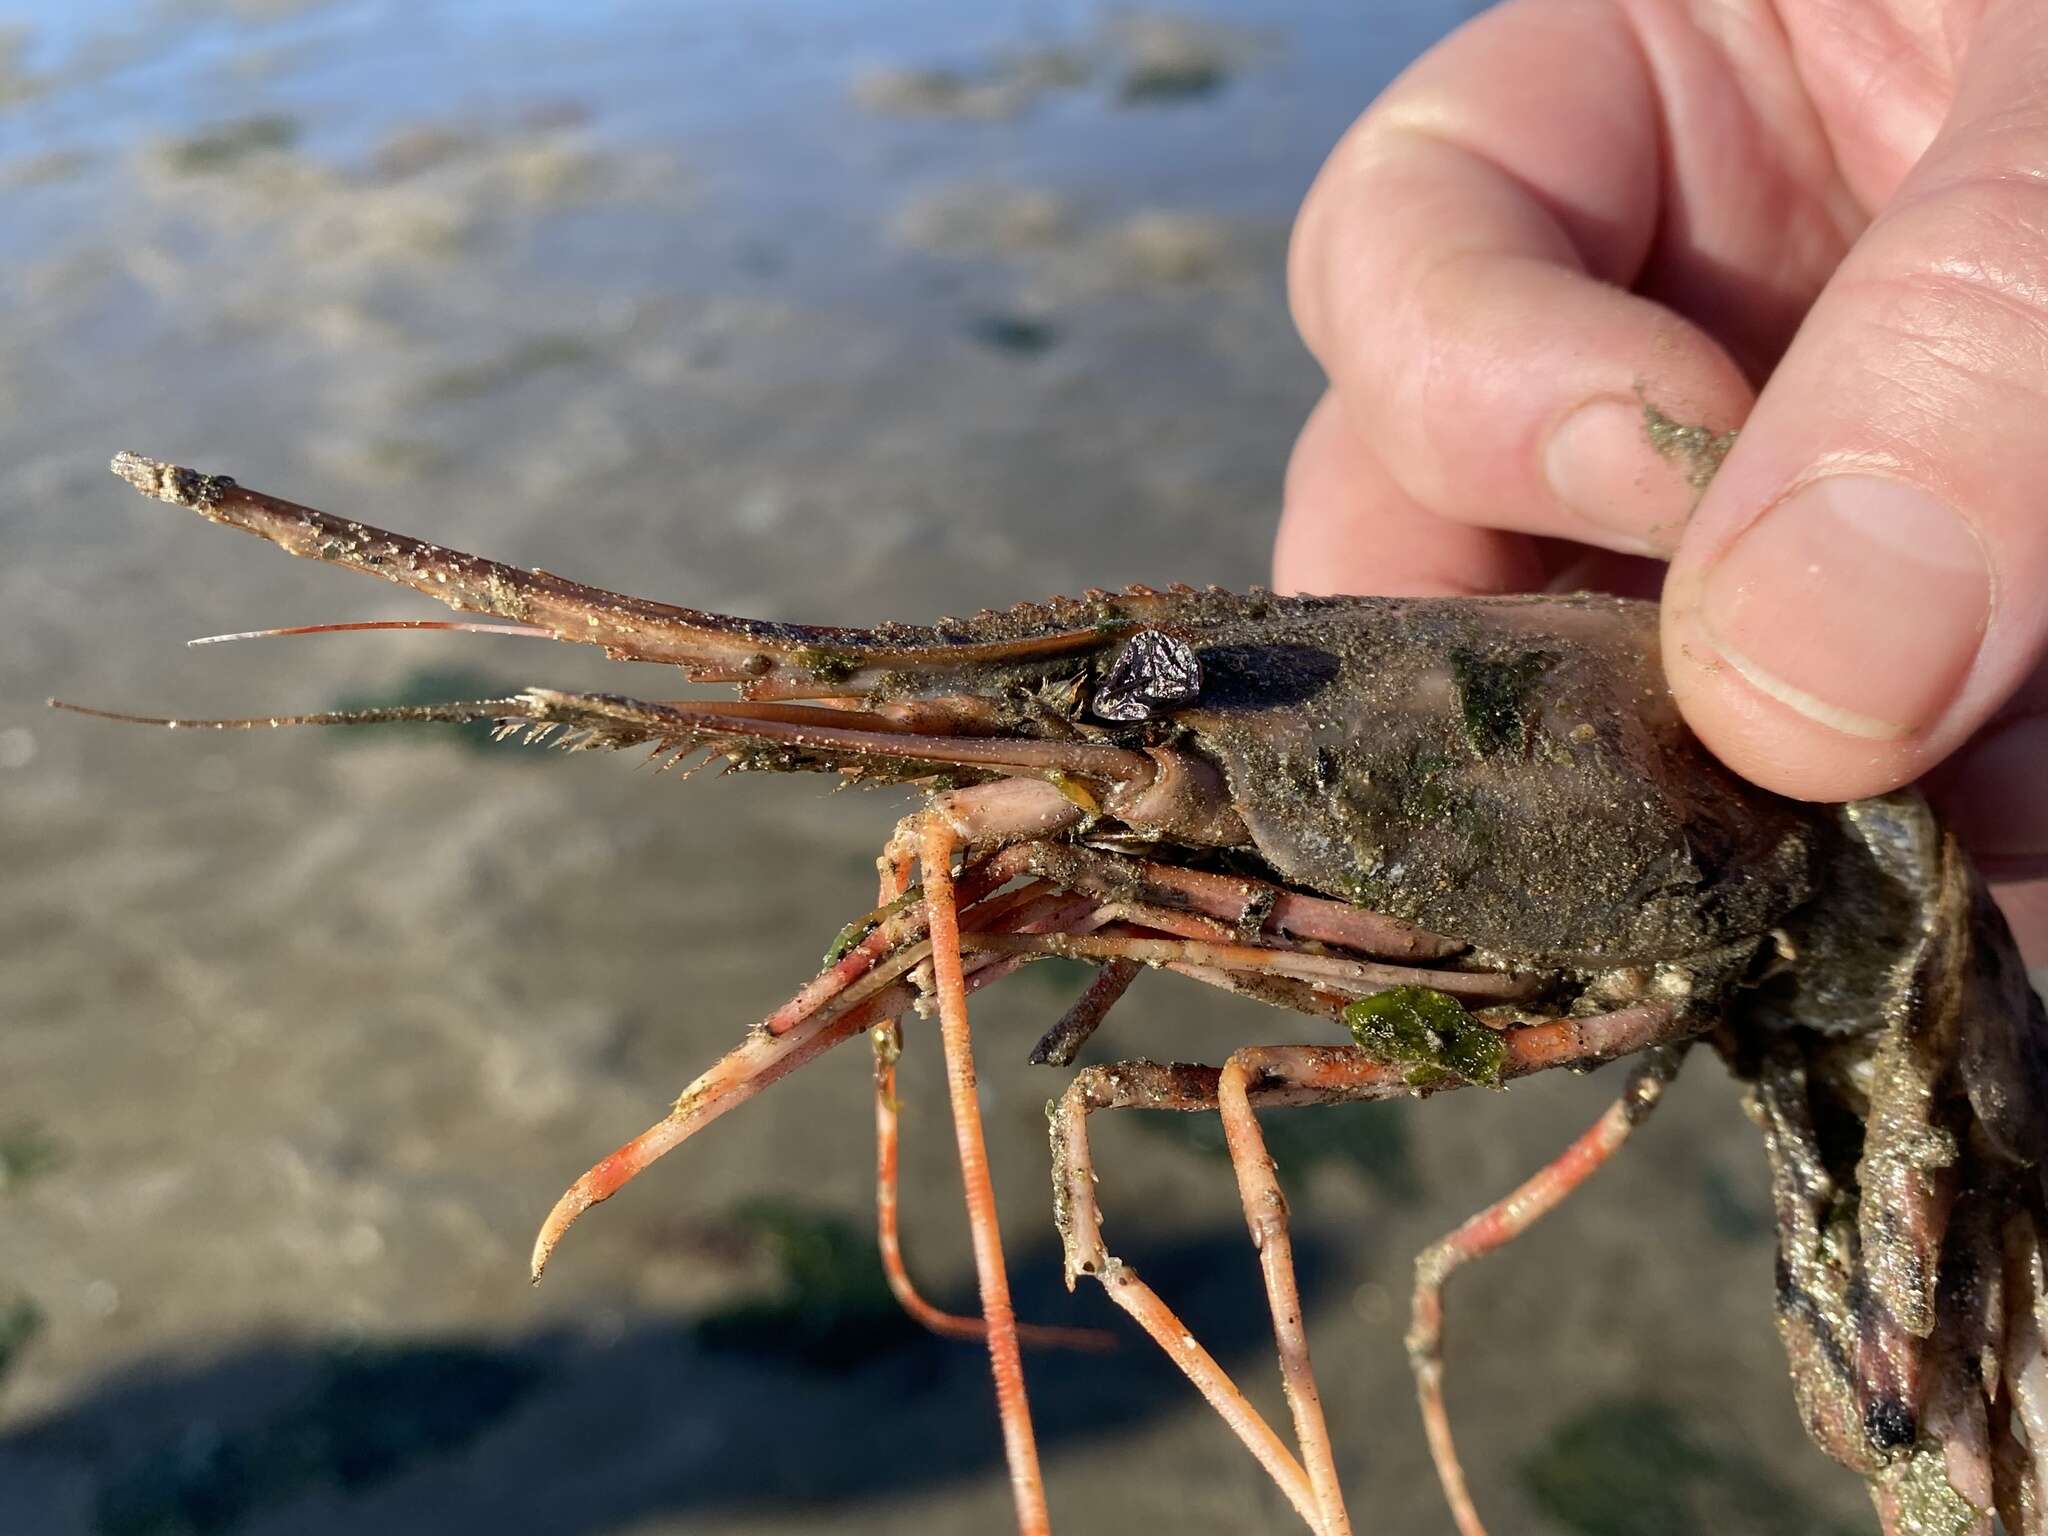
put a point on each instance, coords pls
(1153, 671)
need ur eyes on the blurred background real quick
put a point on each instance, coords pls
(825, 311)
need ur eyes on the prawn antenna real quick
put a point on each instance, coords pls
(467, 626)
(455, 714)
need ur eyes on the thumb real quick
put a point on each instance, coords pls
(1866, 581)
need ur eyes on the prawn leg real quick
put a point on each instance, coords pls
(1003, 812)
(1265, 1212)
(1281, 1077)
(887, 1039)
(1495, 1227)
(1334, 1076)
(1152, 1085)
(941, 838)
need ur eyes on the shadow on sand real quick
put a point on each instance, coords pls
(566, 1433)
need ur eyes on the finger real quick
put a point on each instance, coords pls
(1994, 801)
(2026, 908)
(1991, 791)
(1346, 527)
(1458, 270)
(1867, 581)
(1577, 568)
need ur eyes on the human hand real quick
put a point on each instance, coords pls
(1572, 210)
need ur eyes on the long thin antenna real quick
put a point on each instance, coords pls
(473, 627)
(453, 714)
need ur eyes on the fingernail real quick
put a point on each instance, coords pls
(1994, 801)
(1858, 602)
(1602, 466)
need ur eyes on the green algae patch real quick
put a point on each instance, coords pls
(827, 666)
(828, 1307)
(1696, 449)
(1493, 697)
(521, 361)
(850, 935)
(1427, 795)
(225, 146)
(1375, 1141)
(1629, 1465)
(868, 922)
(1430, 1034)
(20, 1321)
(26, 1153)
(1017, 334)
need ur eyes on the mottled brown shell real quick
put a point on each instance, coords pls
(1512, 771)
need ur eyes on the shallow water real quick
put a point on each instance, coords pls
(812, 310)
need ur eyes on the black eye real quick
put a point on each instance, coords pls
(1152, 672)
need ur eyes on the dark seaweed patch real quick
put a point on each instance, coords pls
(830, 1307)
(25, 1152)
(226, 145)
(1169, 80)
(1376, 1140)
(20, 1321)
(521, 361)
(1427, 790)
(1493, 697)
(827, 666)
(1019, 335)
(1633, 1465)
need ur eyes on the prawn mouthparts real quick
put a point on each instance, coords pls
(1465, 840)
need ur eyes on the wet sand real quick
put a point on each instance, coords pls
(301, 1033)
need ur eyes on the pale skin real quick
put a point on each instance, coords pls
(1824, 222)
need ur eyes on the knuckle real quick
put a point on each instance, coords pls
(1955, 340)
(1963, 269)
(1314, 256)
